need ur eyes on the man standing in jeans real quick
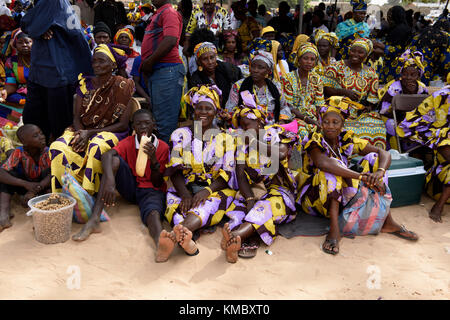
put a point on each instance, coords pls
(163, 66)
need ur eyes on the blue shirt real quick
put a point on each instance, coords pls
(56, 62)
(135, 73)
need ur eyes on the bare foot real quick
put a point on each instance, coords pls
(233, 246)
(226, 232)
(184, 239)
(435, 213)
(5, 224)
(89, 227)
(166, 244)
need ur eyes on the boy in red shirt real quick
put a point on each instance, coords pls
(26, 172)
(149, 191)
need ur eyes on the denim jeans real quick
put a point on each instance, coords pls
(166, 87)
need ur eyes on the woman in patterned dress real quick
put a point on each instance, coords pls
(352, 79)
(199, 168)
(326, 185)
(101, 117)
(303, 90)
(268, 93)
(255, 212)
(429, 125)
(411, 71)
(325, 42)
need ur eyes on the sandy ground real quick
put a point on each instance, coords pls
(119, 264)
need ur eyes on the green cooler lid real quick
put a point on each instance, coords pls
(402, 163)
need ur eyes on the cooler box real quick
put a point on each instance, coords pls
(406, 180)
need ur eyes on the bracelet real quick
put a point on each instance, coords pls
(384, 170)
(249, 199)
(209, 189)
(360, 177)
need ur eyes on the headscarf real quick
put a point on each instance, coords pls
(412, 59)
(358, 5)
(264, 57)
(307, 48)
(337, 104)
(299, 41)
(249, 109)
(227, 34)
(259, 44)
(116, 53)
(204, 47)
(205, 93)
(276, 133)
(267, 30)
(12, 49)
(102, 27)
(275, 46)
(331, 37)
(126, 31)
(364, 43)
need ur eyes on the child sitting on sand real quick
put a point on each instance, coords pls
(26, 172)
(149, 191)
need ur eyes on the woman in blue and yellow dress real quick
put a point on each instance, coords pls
(429, 125)
(199, 168)
(352, 29)
(326, 185)
(303, 89)
(355, 82)
(410, 69)
(260, 212)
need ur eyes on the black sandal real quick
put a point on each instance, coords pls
(334, 244)
(398, 233)
(193, 254)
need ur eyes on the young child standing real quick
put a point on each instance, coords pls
(26, 172)
(149, 191)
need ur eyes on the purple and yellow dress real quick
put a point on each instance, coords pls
(200, 162)
(429, 125)
(277, 205)
(317, 187)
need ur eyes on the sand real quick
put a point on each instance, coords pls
(119, 264)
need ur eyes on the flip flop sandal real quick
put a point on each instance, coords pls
(247, 252)
(193, 254)
(333, 243)
(398, 233)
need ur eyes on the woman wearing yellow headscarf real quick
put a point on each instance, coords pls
(299, 41)
(199, 169)
(325, 42)
(303, 89)
(281, 68)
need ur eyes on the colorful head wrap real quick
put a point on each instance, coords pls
(124, 31)
(116, 53)
(205, 93)
(263, 56)
(259, 44)
(307, 47)
(266, 30)
(204, 47)
(12, 50)
(249, 109)
(358, 5)
(331, 37)
(299, 41)
(227, 34)
(364, 43)
(276, 133)
(339, 105)
(412, 59)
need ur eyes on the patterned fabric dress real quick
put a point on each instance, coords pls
(17, 75)
(322, 65)
(368, 126)
(347, 31)
(429, 125)
(390, 69)
(317, 187)
(263, 98)
(200, 163)
(277, 206)
(436, 60)
(306, 99)
(199, 19)
(86, 166)
(392, 89)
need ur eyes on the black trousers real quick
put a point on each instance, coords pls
(51, 109)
